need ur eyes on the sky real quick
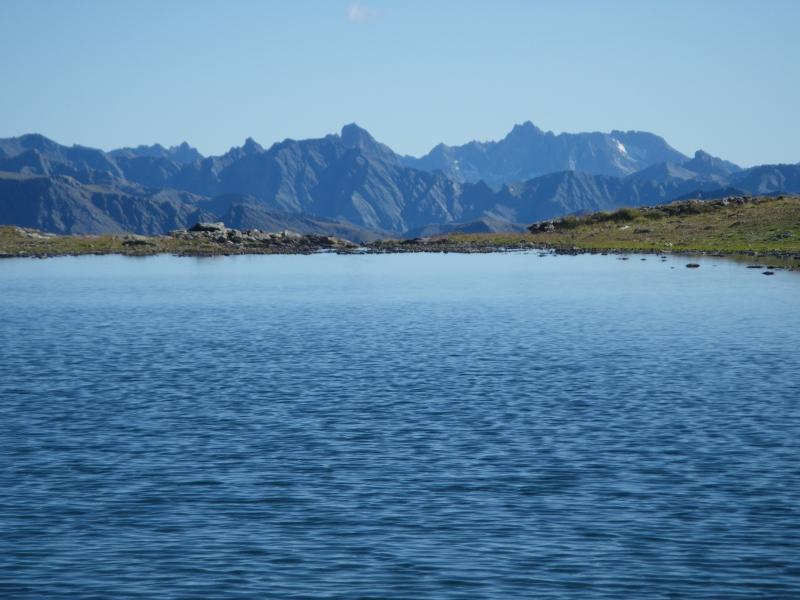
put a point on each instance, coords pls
(723, 76)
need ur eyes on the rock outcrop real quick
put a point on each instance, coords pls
(218, 233)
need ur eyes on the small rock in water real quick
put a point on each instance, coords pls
(692, 266)
(623, 258)
(755, 266)
(768, 273)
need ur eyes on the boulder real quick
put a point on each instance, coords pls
(209, 227)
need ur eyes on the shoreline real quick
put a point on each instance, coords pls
(786, 260)
(383, 247)
(739, 228)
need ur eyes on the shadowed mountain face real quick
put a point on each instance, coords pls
(61, 204)
(528, 152)
(570, 192)
(768, 179)
(352, 186)
(36, 154)
(702, 168)
(327, 178)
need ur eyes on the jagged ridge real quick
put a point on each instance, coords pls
(351, 185)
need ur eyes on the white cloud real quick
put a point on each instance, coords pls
(359, 13)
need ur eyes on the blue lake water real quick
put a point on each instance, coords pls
(398, 426)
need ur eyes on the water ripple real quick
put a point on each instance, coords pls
(397, 426)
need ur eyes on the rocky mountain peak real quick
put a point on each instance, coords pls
(354, 136)
(252, 147)
(526, 129)
(700, 155)
(705, 163)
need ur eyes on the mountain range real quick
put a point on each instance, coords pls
(528, 152)
(351, 185)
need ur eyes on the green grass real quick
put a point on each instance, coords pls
(15, 242)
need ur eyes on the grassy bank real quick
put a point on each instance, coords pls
(764, 226)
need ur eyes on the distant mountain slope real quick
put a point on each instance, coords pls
(84, 163)
(569, 192)
(528, 152)
(768, 179)
(246, 212)
(61, 204)
(702, 167)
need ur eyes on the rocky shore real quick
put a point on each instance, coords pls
(253, 239)
(202, 239)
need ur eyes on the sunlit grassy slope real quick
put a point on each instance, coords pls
(762, 225)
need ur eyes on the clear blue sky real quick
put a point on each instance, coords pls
(721, 75)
